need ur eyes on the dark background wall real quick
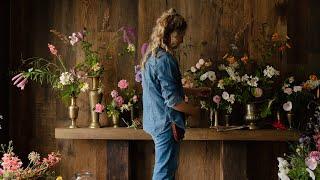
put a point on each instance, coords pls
(33, 114)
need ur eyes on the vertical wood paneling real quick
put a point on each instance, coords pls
(211, 26)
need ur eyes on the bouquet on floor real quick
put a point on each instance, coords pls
(12, 167)
(304, 161)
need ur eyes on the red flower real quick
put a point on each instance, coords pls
(278, 125)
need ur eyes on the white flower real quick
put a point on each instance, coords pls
(203, 77)
(225, 95)
(229, 109)
(287, 106)
(230, 71)
(193, 69)
(253, 81)
(131, 48)
(311, 174)
(211, 75)
(283, 176)
(270, 72)
(287, 91)
(73, 39)
(100, 89)
(291, 79)
(203, 105)
(84, 87)
(66, 78)
(198, 65)
(34, 157)
(96, 67)
(245, 78)
(201, 62)
(221, 84)
(125, 107)
(234, 65)
(231, 98)
(297, 88)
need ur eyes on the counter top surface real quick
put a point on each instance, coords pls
(192, 134)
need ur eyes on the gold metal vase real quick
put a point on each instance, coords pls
(227, 120)
(115, 121)
(94, 98)
(251, 116)
(290, 118)
(73, 112)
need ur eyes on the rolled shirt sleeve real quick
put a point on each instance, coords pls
(168, 74)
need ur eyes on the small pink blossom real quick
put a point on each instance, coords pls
(119, 101)
(99, 108)
(311, 163)
(315, 155)
(52, 159)
(52, 49)
(288, 91)
(257, 92)
(20, 81)
(10, 162)
(123, 84)
(135, 98)
(216, 99)
(114, 93)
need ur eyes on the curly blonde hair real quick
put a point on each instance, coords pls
(170, 21)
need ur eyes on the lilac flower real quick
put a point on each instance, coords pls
(128, 34)
(20, 81)
(144, 48)
(76, 37)
(138, 74)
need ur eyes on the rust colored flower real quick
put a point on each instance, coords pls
(245, 59)
(231, 59)
(275, 37)
(313, 77)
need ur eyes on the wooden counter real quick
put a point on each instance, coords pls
(205, 154)
(192, 134)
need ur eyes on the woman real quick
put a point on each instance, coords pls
(163, 96)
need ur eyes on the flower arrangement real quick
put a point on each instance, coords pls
(68, 83)
(11, 165)
(122, 100)
(304, 161)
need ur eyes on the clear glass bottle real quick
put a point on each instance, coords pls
(83, 175)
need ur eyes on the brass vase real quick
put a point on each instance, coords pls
(115, 121)
(73, 112)
(94, 98)
(227, 119)
(251, 115)
(290, 118)
(214, 118)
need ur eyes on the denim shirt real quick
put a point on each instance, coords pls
(162, 90)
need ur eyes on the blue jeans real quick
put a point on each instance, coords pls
(166, 156)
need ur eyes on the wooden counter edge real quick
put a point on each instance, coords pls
(191, 134)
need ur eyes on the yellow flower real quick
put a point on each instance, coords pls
(59, 178)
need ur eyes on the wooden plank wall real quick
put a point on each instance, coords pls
(36, 111)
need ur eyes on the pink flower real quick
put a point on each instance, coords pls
(135, 98)
(99, 108)
(114, 94)
(52, 159)
(123, 84)
(52, 49)
(315, 155)
(311, 163)
(10, 162)
(119, 101)
(288, 91)
(257, 92)
(20, 81)
(217, 99)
